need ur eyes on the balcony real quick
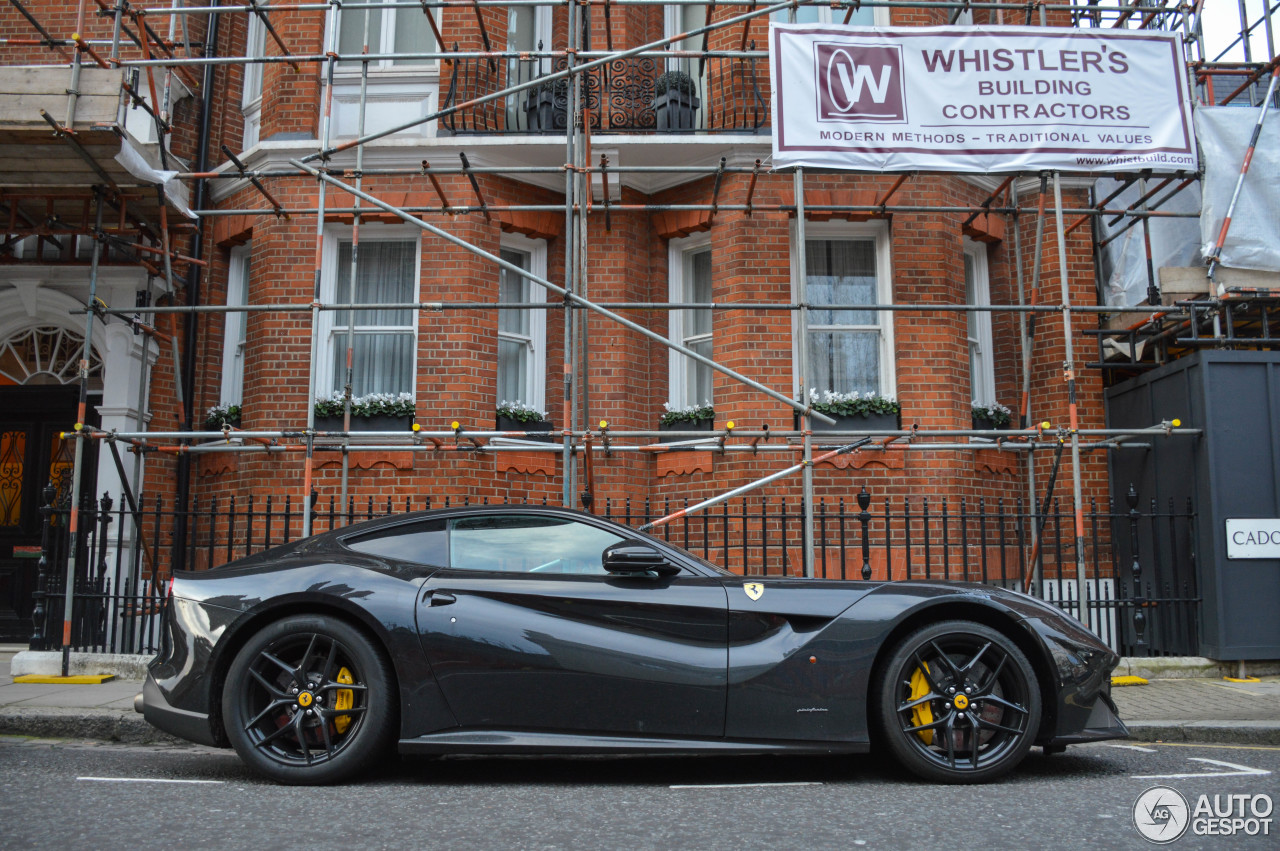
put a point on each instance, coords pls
(711, 94)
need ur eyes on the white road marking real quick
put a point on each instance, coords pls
(1133, 748)
(1238, 770)
(1236, 689)
(145, 780)
(744, 785)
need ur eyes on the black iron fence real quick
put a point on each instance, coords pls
(712, 94)
(1139, 590)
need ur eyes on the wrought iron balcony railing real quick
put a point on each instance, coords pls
(710, 94)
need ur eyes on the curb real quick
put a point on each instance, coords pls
(49, 663)
(1190, 668)
(1209, 732)
(109, 725)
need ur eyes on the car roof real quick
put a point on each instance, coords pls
(462, 511)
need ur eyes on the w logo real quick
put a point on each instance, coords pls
(859, 83)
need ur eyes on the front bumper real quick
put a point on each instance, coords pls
(1103, 723)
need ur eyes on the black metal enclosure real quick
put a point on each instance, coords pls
(1232, 471)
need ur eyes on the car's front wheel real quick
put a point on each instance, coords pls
(959, 703)
(308, 700)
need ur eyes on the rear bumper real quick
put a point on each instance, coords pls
(1104, 723)
(192, 726)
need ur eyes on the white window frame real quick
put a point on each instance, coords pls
(678, 251)
(983, 385)
(879, 232)
(673, 24)
(326, 381)
(536, 363)
(542, 28)
(251, 94)
(522, 68)
(232, 390)
(394, 91)
(386, 44)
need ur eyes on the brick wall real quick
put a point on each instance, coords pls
(626, 381)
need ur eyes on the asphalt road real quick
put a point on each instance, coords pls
(69, 794)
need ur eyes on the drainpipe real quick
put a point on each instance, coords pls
(188, 378)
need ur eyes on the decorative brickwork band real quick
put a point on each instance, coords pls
(684, 463)
(368, 460)
(230, 231)
(891, 458)
(994, 461)
(840, 198)
(532, 224)
(674, 224)
(985, 228)
(528, 463)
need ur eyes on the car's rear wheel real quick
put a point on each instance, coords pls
(959, 703)
(308, 700)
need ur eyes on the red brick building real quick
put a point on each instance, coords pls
(682, 214)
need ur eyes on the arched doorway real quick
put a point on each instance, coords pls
(39, 391)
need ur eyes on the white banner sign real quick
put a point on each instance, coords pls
(1253, 538)
(970, 99)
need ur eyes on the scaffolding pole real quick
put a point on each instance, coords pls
(1069, 373)
(77, 464)
(802, 368)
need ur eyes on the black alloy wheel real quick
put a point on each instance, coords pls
(959, 703)
(308, 700)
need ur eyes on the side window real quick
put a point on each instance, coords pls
(515, 543)
(421, 543)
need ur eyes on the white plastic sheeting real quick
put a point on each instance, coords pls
(138, 166)
(1174, 241)
(1253, 242)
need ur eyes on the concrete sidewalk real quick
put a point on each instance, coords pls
(1179, 709)
(102, 711)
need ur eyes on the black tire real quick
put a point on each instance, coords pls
(291, 712)
(923, 724)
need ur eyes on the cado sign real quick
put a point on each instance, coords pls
(1253, 537)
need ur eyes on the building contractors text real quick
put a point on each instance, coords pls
(969, 99)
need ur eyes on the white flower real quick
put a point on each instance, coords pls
(518, 407)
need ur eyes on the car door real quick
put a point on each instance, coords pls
(526, 631)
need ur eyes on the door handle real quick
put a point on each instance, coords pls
(440, 598)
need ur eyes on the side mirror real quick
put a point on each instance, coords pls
(637, 557)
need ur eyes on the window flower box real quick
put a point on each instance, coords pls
(512, 424)
(854, 412)
(994, 417)
(517, 416)
(857, 423)
(220, 415)
(372, 412)
(377, 422)
(687, 418)
(697, 425)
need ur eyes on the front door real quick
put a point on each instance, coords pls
(526, 631)
(32, 454)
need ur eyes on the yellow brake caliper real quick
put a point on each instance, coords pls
(345, 698)
(922, 714)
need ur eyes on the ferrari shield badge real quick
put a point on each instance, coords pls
(755, 590)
